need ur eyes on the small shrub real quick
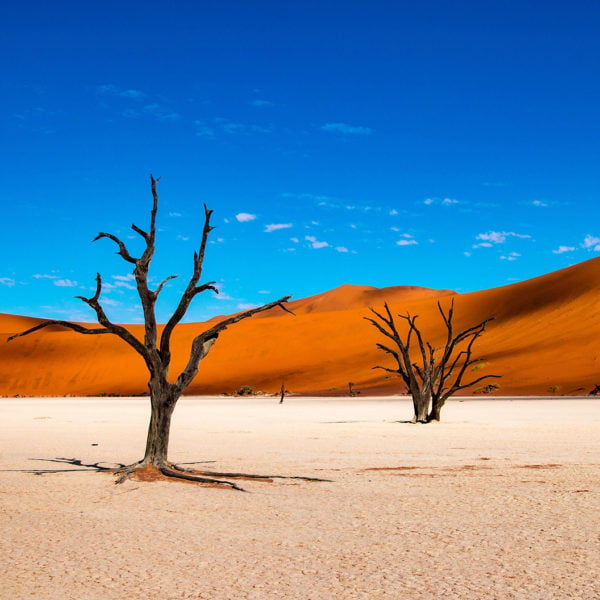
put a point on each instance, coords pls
(245, 390)
(487, 389)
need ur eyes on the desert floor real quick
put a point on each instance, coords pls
(500, 500)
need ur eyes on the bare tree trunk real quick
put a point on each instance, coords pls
(157, 443)
(421, 406)
(436, 410)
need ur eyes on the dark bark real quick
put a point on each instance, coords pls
(421, 401)
(157, 355)
(162, 403)
(437, 373)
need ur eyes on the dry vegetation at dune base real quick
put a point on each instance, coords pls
(499, 501)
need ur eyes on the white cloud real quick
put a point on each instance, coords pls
(295, 240)
(277, 226)
(498, 237)
(7, 281)
(314, 243)
(45, 276)
(563, 249)
(393, 212)
(109, 302)
(264, 291)
(407, 242)
(245, 217)
(346, 129)
(443, 201)
(65, 283)
(246, 306)
(223, 296)
(591, 242)
(220, 124)
(124, 281)
(511, 256)
(175, 214)
(539, 203)
(341, 249)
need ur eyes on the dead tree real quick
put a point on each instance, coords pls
(155, 348)
(438, 373)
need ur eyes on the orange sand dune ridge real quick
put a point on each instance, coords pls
(543, 340)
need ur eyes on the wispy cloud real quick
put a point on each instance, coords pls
(262, 103)
(539, 203)
(440, 201)
(315, 243)
(277, 226)
(347, 129)
(222, 125)
(563, 249)
(306, 196)
(497, 237)
(246, 305)
(591, 242)
(110, 302)
(7, 281)
(124, 281)
(245, 217)
(144, 106)
(110, 89)
(65, 283)
(407, 242)
(510, 257)
(45, 276)
(341, 249)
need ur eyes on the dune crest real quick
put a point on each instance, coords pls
(543, 341)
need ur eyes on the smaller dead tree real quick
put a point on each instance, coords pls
(438, 373)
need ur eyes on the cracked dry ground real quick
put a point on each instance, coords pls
(500, 501)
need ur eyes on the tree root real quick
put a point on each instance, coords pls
(214, 478)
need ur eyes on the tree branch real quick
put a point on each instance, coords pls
(191, 291)
(74, 326)
(122, 248)
(203, 342)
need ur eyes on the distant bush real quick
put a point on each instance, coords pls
(245, 390)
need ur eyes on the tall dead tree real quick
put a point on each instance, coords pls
(437, 373)
(155, 348)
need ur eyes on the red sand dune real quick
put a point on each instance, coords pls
(544, 340)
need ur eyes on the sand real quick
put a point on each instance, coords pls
(543, 341)
(499, 501)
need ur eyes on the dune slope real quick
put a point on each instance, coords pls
(543, 340)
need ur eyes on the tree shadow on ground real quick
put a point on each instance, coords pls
(118, 468)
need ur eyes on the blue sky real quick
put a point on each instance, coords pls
(441, 144)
